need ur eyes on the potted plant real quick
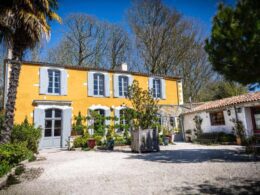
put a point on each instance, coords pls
(239, 131)
(166, 136)
(110, 139)
(188, 133)
(91, 142)
(142, 119)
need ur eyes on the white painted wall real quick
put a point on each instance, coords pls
(244, 116)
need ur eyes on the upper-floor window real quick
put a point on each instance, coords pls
(99, 84)
(123, 85)
(54, 84)
(217, 118)
(156, 88)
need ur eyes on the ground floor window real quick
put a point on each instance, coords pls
(99, 121)
(217, 118)
(52, 123)
(172, 121)
(123, 120)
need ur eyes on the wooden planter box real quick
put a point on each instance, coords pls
(145, 140)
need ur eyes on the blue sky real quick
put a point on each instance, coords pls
(114, 11)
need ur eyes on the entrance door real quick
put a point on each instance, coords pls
(52, 129)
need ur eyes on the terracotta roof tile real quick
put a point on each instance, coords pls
(249, 97)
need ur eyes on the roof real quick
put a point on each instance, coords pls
(245, 98)
(92, 69)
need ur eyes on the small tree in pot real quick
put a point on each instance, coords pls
(143, 119)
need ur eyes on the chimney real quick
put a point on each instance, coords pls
(124, 67)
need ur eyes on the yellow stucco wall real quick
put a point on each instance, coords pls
(28, 90)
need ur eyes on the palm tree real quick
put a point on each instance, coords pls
(22, 25)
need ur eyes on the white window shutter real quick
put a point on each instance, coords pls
(90, 84)
(116, 85)
(107, 114)
(66, 125)
(64, 82)
(163, 89)
(44, 81)
(150, 84)
(130, 80)
(39, 121)
(107, 86)
(117, 115)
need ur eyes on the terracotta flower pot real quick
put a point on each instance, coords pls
(238, 139)
(91, 143)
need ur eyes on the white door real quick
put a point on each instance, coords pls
(52, 129)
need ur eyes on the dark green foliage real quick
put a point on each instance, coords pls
(19, 170)
(98, 139)
(145, 107)
(234, 45)
(27, 133)
(120, 140)
(239, 129)
(11, 155)
(99, 125)
(198, 121)
(216, 137)
(14, 153)
(78, 127)
(80, 142)
(4, 168)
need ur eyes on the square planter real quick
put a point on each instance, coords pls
(145, 140)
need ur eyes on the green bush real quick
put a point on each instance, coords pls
(14, 153)
(26, 132)
(11, 155)
(4, 168)
(120, 140)
(215, 137)
(98, 139)
(80, 142)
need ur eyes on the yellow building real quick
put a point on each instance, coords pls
(50, 95)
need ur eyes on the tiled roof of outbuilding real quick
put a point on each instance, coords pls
(245, 98)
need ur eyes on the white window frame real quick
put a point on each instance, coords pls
(53, 81)
(98, 84)
(124, 91)
(157, 89)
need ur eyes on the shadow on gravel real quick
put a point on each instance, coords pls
(196, 156)
(231, 186)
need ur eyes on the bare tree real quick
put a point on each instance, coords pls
(85, 35)
(196, 72)
(159, 33)
(118, 46)
(61, 54)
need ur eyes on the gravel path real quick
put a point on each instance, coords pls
(178, 169)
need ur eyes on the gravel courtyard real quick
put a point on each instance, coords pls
(178, 169)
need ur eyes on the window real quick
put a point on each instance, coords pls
(52, 123)
(217, 118)
(99, 85)
(99, 121)
(172, 121)
(156, 88)
(123, 85)
(123, 121)
(54, 82)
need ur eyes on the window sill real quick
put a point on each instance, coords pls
(52, 94)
